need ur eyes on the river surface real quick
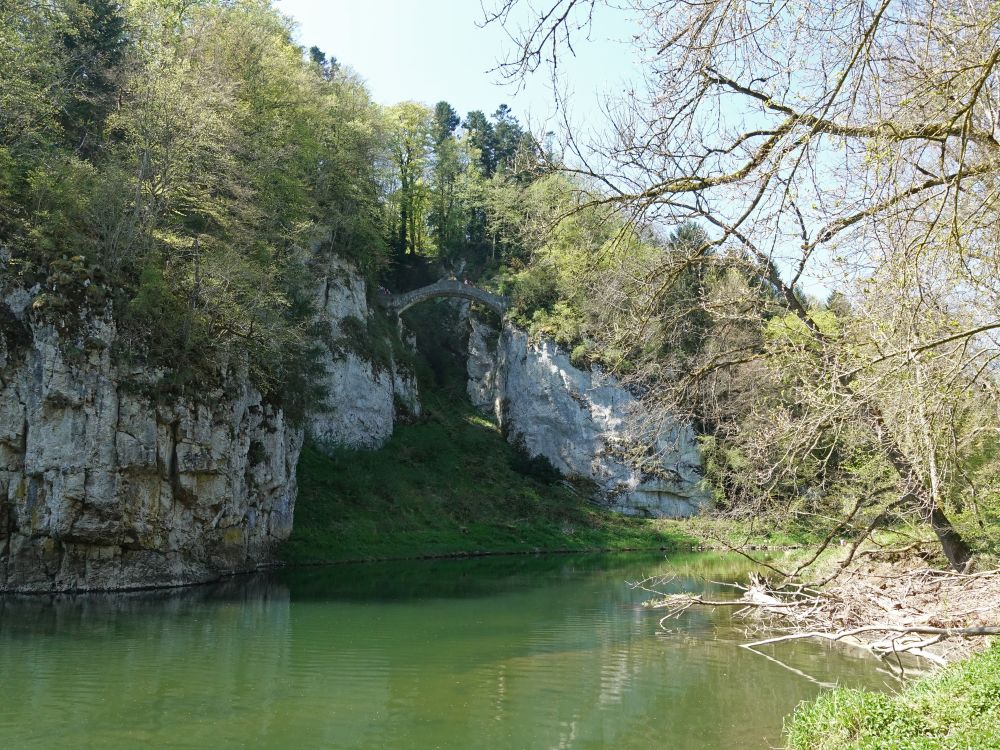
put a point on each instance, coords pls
(508, 652)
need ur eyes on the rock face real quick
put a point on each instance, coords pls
(365, 397)
(101, 487)
(580, 421)
(104, 486)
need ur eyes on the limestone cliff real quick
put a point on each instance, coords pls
(103, 485)
(583, 421)
(364, 394)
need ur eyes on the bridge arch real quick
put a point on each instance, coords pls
(400, 303)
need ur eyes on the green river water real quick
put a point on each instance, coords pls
(506, 652)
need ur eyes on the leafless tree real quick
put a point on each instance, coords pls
(843, 141)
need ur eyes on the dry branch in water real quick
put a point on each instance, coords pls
(887, 610)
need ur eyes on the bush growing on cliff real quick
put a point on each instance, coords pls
(196, 156)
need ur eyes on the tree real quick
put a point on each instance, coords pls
(95, 49)
(479, 132)
(820, 137)
(508, 139)
(410, 132)
(450, 162)
(327, 67)
(446, 120)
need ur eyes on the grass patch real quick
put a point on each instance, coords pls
(955, 709)
(720, 531)
(446, 485)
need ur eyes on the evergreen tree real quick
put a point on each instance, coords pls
(479, 132)
(327, 66)
(96, 45)
(446, 120)
(507, 138)
(449, 164)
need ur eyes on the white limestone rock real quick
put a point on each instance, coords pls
(582, 421)
(101, 487)
(364, 399)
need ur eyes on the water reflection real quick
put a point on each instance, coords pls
(552, 652)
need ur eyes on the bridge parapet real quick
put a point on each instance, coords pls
(399, 303)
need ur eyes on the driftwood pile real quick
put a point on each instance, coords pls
(887, 608)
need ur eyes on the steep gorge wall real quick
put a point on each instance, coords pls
(102, 487)
(364, 396)
(105, 486)
(582, 421)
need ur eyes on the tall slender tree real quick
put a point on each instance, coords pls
(95, 44)
(411, 132)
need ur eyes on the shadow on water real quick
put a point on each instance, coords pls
(99, 613)
(488, 576)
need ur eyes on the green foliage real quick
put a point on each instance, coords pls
(95, 50)
(532, 290)
(957, 709)
(446, 119)
(583, 355)
(195, 156)
(59, 190)
(446, 485)
(72, 284)
(377, 340)
(575, 258)
(789, 330)
(550, 288)
(445, 182)
(411, 141)
(447, 218)
(497, 144)
(727, 473)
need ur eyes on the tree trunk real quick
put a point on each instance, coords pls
(952, 544)
(403, 222)
(954, 547)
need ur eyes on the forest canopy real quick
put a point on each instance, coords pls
(181, 161)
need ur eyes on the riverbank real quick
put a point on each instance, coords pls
(895, 605)
(958, 707)
(902, 605)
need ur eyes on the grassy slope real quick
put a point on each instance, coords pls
(955, 709)
(446, 485)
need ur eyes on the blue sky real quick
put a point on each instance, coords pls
(428, 50)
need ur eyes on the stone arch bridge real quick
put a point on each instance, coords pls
(400, 303)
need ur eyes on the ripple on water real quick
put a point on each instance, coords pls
(515, 653)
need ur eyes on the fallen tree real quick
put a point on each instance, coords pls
(885, 609)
